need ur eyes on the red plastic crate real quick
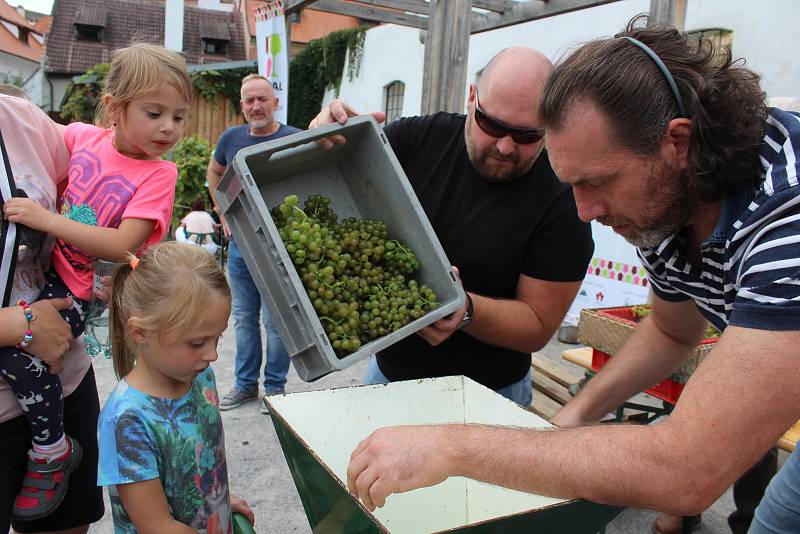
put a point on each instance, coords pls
(667, 390)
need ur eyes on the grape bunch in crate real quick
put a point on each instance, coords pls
(359, 282)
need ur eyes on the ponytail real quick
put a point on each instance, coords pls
(121, 354)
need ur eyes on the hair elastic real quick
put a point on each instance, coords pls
(134, 263)
(27, 338)
(664, 72)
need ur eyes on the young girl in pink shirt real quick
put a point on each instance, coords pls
(119, 197)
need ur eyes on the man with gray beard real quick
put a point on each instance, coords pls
(504, 220)
(258, 107)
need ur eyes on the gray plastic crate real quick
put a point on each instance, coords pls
(363, 179)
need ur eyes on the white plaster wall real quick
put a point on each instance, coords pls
(14, 66)
(390, 53)
(34, 88)
(762, 34)
(59, 88)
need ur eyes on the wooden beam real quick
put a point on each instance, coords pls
(411, 6)
(362, 11)
(670, 12)
(531, 10)
(444, 75)
(296, 5)
(499, 6)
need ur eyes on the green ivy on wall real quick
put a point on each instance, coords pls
(319, 66)
(212, 83)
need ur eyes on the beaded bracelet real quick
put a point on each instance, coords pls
(28, 337)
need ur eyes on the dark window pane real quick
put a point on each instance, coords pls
(394, 101)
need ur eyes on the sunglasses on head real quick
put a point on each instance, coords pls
(498, 129)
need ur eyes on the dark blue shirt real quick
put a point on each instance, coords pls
(236, 138)
(749, 275)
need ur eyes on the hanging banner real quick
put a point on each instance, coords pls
(615, 276)
(273, 51)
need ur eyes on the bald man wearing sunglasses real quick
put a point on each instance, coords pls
(505, 221)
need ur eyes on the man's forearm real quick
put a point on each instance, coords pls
(213, 179)
(508, 323)
(577, 463)
(646, 358)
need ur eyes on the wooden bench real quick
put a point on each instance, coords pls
(583, 358)
(550, 382)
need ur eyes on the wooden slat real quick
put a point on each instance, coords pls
(371, 13)
(296, 5)
(531, 10)
(499, 6)
(789, 439)
(562, 374)
(670, 12)
(411, 6)
(544, 406)
(582, 357)
(553, 390)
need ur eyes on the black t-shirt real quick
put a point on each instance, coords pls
(492, 232)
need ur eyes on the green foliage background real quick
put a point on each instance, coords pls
(191, 155)
(84, 94)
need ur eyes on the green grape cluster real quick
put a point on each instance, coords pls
(358, 280)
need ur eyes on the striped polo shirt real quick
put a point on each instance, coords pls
(750, 270)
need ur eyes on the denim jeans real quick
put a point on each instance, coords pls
(779, 510)
(520, 392)
(245, 307)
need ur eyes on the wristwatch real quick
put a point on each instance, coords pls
(467, 314)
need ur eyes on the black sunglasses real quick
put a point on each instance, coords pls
(498, 129)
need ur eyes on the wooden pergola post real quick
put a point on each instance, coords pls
(672, 12)
(446, 52)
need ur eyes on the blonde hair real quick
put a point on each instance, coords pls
(140, 70)
(170, 291)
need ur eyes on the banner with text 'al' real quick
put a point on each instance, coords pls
(273, 52)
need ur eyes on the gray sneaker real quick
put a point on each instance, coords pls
(236, 397)
(264, 409)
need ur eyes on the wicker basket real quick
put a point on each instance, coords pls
(607, 329)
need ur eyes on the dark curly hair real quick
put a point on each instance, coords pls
(721, 97)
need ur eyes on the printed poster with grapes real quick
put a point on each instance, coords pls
(273, 52)
(615, 276)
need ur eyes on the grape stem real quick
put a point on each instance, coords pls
(335, 323)
(301, 211)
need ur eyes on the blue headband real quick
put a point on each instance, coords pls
(664, 72)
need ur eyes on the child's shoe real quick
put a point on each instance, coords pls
(45, 483)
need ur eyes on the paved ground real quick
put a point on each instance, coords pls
(258, 470)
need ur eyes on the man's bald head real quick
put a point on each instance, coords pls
(518, 70)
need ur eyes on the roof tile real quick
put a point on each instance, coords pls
(128, 21)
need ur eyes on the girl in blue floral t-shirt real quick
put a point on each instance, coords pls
(162, 448)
